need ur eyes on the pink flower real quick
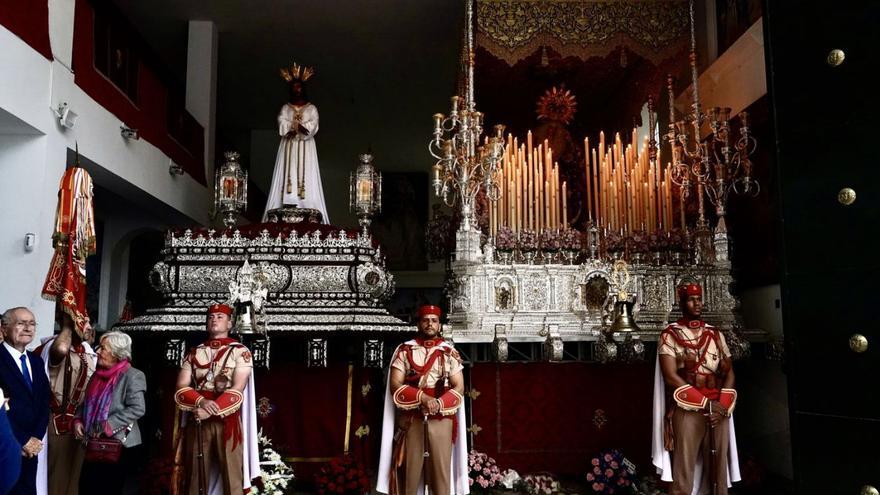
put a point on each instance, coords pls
(596, 487)
(590, 477)
(608, 458)
(609, 473)
(595, 461)
(614, 464)
(471, 481)
(596, 470)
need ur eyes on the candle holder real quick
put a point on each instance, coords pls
(466, 162)
(365, 194)
(712, 163)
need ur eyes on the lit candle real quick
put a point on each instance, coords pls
(547, 196)
(588, 177)
(564, 206)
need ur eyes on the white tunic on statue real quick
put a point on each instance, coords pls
(297, 152)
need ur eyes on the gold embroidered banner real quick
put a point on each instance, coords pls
(514, 29)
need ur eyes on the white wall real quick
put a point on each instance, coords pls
(22, 166)
(33, 156)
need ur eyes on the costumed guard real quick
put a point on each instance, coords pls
(70, 362)
(217, 438)
(297, 178)
(693, 428)
(74, 241)
(423, 440)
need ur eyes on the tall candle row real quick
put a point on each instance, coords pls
(531, 196)
(626, 190)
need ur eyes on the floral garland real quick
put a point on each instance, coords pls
(342, 476)
(275, 474)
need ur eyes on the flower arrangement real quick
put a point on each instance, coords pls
(571, 239)
(505, 239)
(639, 241)
(677, 240)
(483, 472)
(550, 240)
(657, 241)
(528, 240)
(342, 476)
(611, 472)
(614, 241)
(538, 484)
(275, 474)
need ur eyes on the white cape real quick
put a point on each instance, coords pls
(43, 456)
(459, 466)
(291, 151)
(660, 456)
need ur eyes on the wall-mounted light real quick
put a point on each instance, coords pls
(174, 169)
(128, 132)
(66, 117)
(30, 241)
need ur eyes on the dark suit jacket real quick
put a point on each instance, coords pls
(28, 407)
(10, 455)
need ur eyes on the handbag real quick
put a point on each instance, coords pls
(106, 450)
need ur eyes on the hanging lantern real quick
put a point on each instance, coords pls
(365, 198)
(230, 189)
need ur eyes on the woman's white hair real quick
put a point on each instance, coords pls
(119, 344)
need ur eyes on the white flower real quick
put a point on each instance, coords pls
(509, 478)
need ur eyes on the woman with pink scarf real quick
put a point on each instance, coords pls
(113, 403)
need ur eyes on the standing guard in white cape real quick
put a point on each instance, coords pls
(423, 441)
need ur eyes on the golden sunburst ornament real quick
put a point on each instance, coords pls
(296, 72)
(557, 104)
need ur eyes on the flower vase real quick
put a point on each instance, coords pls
(636, 258)
(677, 258)
(550, 256)
(570, 256)
(616, 255)
(505, 256)
(657, 258)
(529, 257)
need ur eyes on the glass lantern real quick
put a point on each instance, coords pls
(365, 198)
(230, 189)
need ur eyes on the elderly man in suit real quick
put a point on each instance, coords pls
(24, 382)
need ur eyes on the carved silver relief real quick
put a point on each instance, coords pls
(536, 292)
(159, 278)
(505, 293)
(200, 278)
(653, 293)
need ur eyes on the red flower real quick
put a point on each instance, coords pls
(595, 461)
